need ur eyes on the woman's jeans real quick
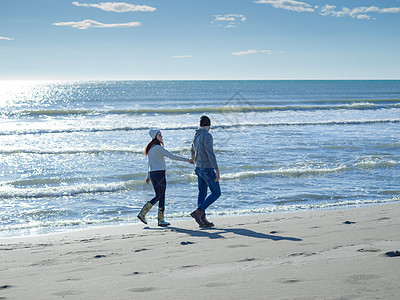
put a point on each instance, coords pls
(206, 178)
(159, 184)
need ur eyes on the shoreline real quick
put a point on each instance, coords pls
(152, 219)
(321, 254)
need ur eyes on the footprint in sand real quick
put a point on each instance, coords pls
(218, 284)
(303, 254)
(187, 243)
(142, 290)
(247, 259)
(3, 287)
(288, 280)
(361, 278)
(135, 273)
(369, 250)
(69, 279)
(393, 253)
(67, 293)
(237, 246)
(349, 222)
(189, 266)
(140, 250)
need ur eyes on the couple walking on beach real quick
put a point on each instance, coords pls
(207, 172)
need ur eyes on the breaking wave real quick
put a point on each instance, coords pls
(179, 127)
(241, 108)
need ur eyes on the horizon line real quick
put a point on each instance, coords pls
(255, 79)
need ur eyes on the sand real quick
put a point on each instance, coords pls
(336, 254)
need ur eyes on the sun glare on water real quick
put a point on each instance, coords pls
(24, 94)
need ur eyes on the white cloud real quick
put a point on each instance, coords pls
(330, 10)
(85, 24)
(228, 21)
(288, 5)
(119, 7)
(392, 10)
(247, 52)
(182, 56)
(6, 38)
(357, 12)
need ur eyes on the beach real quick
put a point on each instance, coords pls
(325, 254)
(115, 113)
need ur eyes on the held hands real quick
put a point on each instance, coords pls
(191, 161)
(147, 180)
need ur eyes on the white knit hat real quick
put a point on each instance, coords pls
(153, 133)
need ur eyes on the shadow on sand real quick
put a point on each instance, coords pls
(216, 233)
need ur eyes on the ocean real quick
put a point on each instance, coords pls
(71, 152)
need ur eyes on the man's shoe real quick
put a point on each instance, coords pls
(197, 214)
(206, 222)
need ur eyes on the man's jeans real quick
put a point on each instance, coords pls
(206, 178)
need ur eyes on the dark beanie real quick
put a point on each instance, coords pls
(205, 121)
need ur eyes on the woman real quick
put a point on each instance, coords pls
(155, 153)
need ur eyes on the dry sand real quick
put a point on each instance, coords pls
(302, 255)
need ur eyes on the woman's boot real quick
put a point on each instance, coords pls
(161, 221)
(144, 211)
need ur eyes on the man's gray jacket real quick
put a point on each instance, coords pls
(202, 150)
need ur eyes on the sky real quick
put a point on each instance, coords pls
(199, 39)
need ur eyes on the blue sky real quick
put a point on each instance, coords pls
(199, 39)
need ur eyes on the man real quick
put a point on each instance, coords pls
(206, 170)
